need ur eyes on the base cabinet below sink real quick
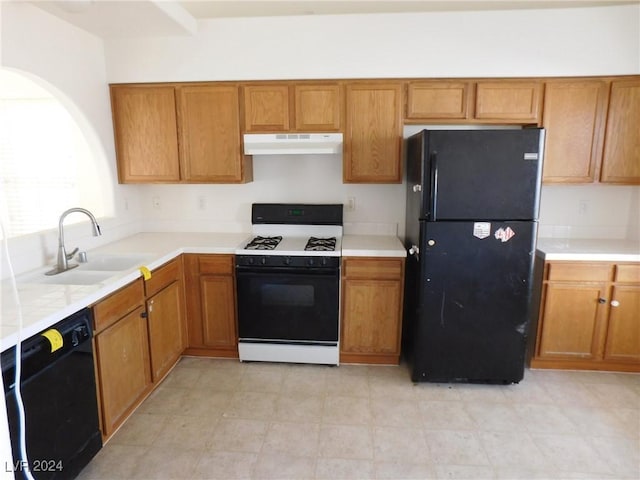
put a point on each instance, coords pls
(139, 336)
(122, 355)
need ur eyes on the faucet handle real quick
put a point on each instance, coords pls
(70, 255)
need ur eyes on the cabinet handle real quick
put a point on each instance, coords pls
(144, 314)
(615, 303)
(602, 300)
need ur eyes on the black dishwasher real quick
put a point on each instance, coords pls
(58, 390)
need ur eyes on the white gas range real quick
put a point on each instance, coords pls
(288, 284)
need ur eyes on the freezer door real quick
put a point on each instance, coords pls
(474, 306)
(473, 174)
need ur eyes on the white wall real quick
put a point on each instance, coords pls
(69, 63)
(555, 42)
(587, 41)
(582, 41)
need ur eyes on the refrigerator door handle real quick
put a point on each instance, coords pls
(434, 185)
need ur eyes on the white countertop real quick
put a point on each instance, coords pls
(372, 246)
(589, 249)
(42, 305)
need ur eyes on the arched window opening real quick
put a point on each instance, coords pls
(46, 163)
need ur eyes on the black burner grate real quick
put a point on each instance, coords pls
(321, 244)
(263, 243)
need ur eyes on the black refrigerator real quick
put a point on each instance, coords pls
(472, 209)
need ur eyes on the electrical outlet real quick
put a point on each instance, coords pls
(583, 207)
(351, 204)
(155, 201)
(126, 204)
(202, 202)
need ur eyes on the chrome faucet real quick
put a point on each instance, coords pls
(63, 257)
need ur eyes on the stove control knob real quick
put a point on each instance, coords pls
(263, 260)
(250, 260)
(287, 260)
(311, 262)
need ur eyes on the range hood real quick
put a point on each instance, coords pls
(292, 143)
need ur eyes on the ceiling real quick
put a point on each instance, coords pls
(251, 8)
(139, 18)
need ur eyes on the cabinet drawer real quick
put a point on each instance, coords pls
(628, 273)
(585, 272)
(373, 268)
(118, 304)
(163, 276)
(218, 264)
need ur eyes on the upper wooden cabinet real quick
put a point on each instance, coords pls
(148, 120)
(266, 108)
(146, 138)
(373, 138)
(462, 101)
(292, 107)
(621, 157)
(437, 100)
(592, 132)
(318, 107)
(510, 101)
(210, 142)
(574, 114)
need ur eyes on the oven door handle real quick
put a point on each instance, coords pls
(266, 271)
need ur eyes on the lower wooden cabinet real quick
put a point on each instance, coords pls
(211, 305)
(372, 298)
(589, 317)
(139, 337)
(623, 329)
(122, 355)
(165, 316)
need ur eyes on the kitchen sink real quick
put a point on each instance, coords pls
(112, 262)
(70, 277)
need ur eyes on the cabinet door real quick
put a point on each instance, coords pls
(623, 335)
(438, 100)
(572, 321)
(166, 339)
(209, 126)
(146, 135)
(621, 157)
(574, 113)
(509, 101)
(266, 108)
(371, 316)
(373, 134)
(218, 308)
(318, 108)
(122, 353)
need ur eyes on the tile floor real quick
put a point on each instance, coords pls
(222, 419)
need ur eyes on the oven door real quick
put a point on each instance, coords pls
(293, 306)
